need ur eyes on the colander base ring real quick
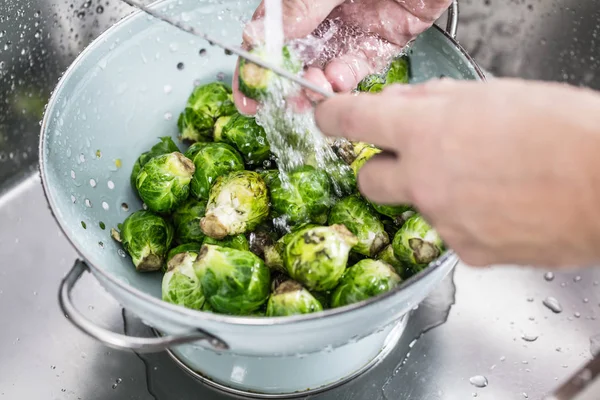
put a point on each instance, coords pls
(391, 341)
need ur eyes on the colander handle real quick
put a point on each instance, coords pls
(116, 340)
(452, 24)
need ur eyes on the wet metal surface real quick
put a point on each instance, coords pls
(513, 333)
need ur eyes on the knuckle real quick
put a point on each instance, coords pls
(296, 8)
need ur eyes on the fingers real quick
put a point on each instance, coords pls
(300, 18)
(381, 119)
(383, 180)
(366, 56)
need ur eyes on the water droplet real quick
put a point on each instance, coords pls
(72, 174)
(101, 245)
(93, 183)
(125, 207)
(88, 203)
(168, 116)
(577, 314)
(73, 199)
(105, 205)
(122, 253)
(549, 276)
(110, 184)
(168, 89)
(53, 367)
(220, 76)
(479, 381)
(577, 278)
(586, 300)
(90, 307)
(553, 305)
(173, 47)
(525, 395)
(529, 338)
(502, 358)
(530, 299)
(180, 66)
(82, 158)
(202, 52)
(99, 9)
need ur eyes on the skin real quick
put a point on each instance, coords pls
(506, 171)
(403, 20)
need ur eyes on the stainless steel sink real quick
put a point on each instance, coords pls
(497, 325)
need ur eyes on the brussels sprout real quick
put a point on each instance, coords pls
(181, 284)
(323, 298)
(342, 178)
(164, 146)
(211, 161)
(204, 106)
(248, 137)
(317, 256)
(233, 281)
(373, 83)
(262, 237)
(367, 278)
(147, 238)
(254, 80)
(306, 196)
(164, 182)
(344, 149)
(393, 211)
(219, 124)
(416, 243)
(397, 72)
(387, 255)
(182, 248)
(356, 214)
(238, 242)
(186, 220)
(238, 202)
(364, 152)
(290, 298)
(273, 253)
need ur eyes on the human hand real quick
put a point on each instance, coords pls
(371, 32)
(506, 171)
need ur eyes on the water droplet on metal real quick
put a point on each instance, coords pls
(577, 314)
(577, 278)
(168, 116)
(549, 276)
(121, 252)
(529, 338)
(479, 381)
(553, 305)
(530, 299)
(180, 66)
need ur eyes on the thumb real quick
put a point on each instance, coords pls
(300, 18)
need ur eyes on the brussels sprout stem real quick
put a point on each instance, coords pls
(212, 226)
(424, 252)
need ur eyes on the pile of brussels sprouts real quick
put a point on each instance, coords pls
(231, 236)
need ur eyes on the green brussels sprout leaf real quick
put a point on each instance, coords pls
(238, 202)
(181, 283)
(365, 279)
(417, 244)
(211, 160)
(356, 214)
(164, 182)
(204, 106)
(387, 255)
(234, 282)
(146, 237)
(248, 138)
(305, 197)
(399, 71)
(254, 81)
(186, 219)
(290, 298)
(317, 256)
(164, 146)
(238, 242)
